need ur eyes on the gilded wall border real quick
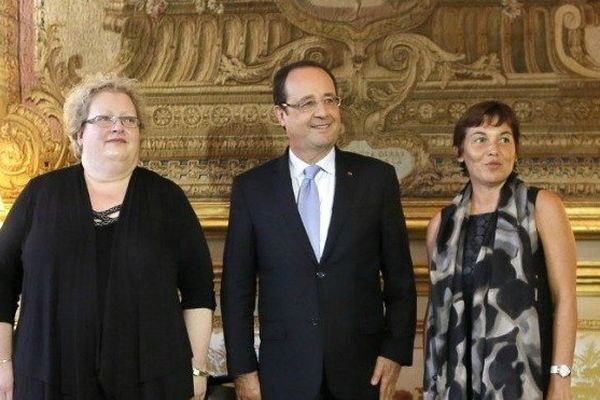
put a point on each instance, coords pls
(588, 325)
(584, 217)
(588, 281)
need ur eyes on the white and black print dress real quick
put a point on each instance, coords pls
(490, 317)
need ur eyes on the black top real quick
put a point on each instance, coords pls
(104, 241)
(480, 230)
(48, 255)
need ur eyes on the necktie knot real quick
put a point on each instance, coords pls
(311, 171)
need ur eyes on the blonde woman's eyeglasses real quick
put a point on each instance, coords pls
(108, 121)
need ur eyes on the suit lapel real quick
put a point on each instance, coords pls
(342, 199)
(287, 204)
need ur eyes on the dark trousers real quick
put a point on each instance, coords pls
(325, 393)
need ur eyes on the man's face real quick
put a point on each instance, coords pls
(311, 132)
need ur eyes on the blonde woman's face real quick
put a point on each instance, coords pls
(115, 143)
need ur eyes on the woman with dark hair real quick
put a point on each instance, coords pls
(111, 266)
(502, 315)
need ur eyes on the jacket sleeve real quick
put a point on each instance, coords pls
(194, 274)
(12, 236)
(398, 277)
(238, 287)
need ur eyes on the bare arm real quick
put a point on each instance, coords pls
(6, 368)
(198, 322)
(561, 262)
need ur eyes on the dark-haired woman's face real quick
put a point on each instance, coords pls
(489, 153)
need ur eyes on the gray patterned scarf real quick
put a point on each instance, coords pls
(506, 351)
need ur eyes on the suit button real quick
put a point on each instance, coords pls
(314, 322)
(321, 274)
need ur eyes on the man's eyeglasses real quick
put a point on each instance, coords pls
(310, 104)
(108, 121)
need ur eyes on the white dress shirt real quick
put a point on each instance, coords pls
(325, 181)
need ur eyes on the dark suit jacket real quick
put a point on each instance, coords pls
(334, 314)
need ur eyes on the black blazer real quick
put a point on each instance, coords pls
(334, 314)
(48, 255)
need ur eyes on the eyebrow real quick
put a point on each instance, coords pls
(310, 96)
(485, 133)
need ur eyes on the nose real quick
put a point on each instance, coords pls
(117, 125)
(320, 108)
(493, 148)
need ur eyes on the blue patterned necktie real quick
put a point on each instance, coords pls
(309, 207)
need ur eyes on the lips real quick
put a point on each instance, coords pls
(116, 140)
(321, 126)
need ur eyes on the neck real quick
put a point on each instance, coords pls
(106, 189)
(311, 157)
(484, 199)
(107, 171)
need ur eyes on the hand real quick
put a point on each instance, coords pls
(559, 389)
(6, 381)
(247, 386)
(386, 374)
(199, 387)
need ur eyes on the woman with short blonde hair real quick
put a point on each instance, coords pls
(111, 266)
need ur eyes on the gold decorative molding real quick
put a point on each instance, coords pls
(9, 58)
(588, 325)
(588, 279)
(28, 144)
(28, 148)
(584, 218)
(588, 284)
(576, 36)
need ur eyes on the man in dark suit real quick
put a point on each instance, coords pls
(328, 328)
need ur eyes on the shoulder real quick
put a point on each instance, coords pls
(58, 174)
(359, 160)
(548, 202)
(149, 177)
(368, 168)
(550, 213)
(156, 186)
(433, 229)
(53, 181)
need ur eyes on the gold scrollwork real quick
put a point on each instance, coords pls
(312, 48)
(416, 58)
(581, 53)
(354, 22)
(56, 77)
(28, 148)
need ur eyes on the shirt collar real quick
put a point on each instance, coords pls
(326, 163)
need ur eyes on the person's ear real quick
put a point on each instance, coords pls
(458, 154)
(281, 114)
